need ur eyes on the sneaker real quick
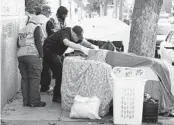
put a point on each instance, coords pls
(58, 100)
(47, 90)
(40, 104)
(44, 90)
(50, 90)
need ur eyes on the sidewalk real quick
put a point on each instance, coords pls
(15, 114)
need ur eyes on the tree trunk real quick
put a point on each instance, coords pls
(144, 27)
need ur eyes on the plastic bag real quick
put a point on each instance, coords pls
(85, 107)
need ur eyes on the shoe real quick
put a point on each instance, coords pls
(47, 90)
(40, 104)
(44, 90)
(50, 90)
(58, 100)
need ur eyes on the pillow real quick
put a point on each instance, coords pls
(85, 107)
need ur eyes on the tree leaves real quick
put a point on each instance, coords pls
(31, 4)
(93, 5)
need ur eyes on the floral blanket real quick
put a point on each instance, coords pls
(87, 78)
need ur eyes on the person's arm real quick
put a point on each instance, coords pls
(75, 46)
(38, 42)
(50, 28)
(88, 44)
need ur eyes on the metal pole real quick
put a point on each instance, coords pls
(121, 10)
(115, 8)
(101, 10)
(60, 2)
(70, 11)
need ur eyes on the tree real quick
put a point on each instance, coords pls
(144, 27)
(31, 4)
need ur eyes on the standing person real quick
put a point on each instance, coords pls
(61, 15)
(54, 47)
(42, 17)
(30, 63)
(30, 13)
(46, 74)
(47, 26)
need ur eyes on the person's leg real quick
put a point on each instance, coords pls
(45, 77)
(58, 74)
(34, 70)
(56, 67)
(24, 81)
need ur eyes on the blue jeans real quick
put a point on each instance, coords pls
(30, 70)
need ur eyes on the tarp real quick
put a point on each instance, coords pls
(159, 90)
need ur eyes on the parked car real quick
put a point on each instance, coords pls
(166, 50)
(164, 27)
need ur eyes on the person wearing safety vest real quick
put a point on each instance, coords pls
(47, 26)
(30, 56)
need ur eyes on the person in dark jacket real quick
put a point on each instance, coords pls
(55, 46)
(59, 24)
(48, 29)
(47, 26)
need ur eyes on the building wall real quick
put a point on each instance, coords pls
(12, 19)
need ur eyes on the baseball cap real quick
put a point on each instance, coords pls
(79, 31)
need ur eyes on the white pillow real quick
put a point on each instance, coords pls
(85, 107)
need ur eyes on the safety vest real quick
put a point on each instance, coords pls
(26, 41)
(59, 24)
(42, 20)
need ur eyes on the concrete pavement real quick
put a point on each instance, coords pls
(15, 114)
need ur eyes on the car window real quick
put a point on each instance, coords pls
(169, 36)
(171, 39)
(163, 28)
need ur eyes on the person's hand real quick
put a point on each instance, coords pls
(95, 47)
